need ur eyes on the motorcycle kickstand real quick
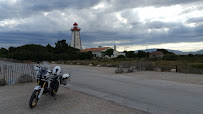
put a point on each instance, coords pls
(54, 97)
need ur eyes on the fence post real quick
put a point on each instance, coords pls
(3, 73)
(33, 73)
(141, 64)
(176, 68)
(6, 69)
(15, 70)
(118, 65)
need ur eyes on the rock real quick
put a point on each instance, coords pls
(173, 70)
(25, 78)
(127, 70)
(98, 65)
(157, 69)
(132, 68)
(118, 70)
(120, 66)
(78, 63)
(53, 62)
(109, 65)
(90, 64)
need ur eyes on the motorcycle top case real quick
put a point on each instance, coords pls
(65, 79)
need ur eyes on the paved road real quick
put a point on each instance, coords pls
(153, 96)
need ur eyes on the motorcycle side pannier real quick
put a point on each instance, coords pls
(65, 79)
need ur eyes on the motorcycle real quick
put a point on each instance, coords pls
(48, 81)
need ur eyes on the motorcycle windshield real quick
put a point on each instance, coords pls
(45, 65)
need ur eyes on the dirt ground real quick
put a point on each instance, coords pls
(15, 99)
(169, 76)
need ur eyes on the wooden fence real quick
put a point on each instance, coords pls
(11, 72)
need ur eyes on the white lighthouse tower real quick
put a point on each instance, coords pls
(75, 37)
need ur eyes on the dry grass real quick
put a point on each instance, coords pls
(183, 66)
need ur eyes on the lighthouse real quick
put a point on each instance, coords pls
(75, 37)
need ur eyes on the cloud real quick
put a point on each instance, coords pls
(125, 4)
(184, 46)
(26, 8)
(106, 22)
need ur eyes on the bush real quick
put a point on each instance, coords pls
(25, 78)
(61, 51)
(109, 52)
(2, 82)
(170, 57)
(198, 66)
(121, 56)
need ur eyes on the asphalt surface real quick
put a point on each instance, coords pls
(152, 96)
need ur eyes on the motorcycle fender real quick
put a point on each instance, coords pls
(37, 87)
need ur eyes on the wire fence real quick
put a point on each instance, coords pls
(142, 65)
(138, 65)
(15, 72)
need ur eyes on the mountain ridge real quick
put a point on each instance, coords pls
(177, 52)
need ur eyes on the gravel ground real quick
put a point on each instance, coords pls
(169, 76)
(15, 99)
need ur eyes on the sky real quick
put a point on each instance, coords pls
(128, 24)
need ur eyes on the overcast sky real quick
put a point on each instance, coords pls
(129, 24)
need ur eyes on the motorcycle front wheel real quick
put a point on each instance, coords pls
(34, 99)
(54, 87)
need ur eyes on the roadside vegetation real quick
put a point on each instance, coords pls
(64, 53)
(32, 52)
(183, 63)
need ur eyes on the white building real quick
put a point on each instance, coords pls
(116, 53)
(99, 52)
(75, 37)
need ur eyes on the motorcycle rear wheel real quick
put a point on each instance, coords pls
(34, 99)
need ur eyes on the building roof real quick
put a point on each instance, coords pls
(75, 27)
(94, 49)
(75, 24)
(156, 52)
